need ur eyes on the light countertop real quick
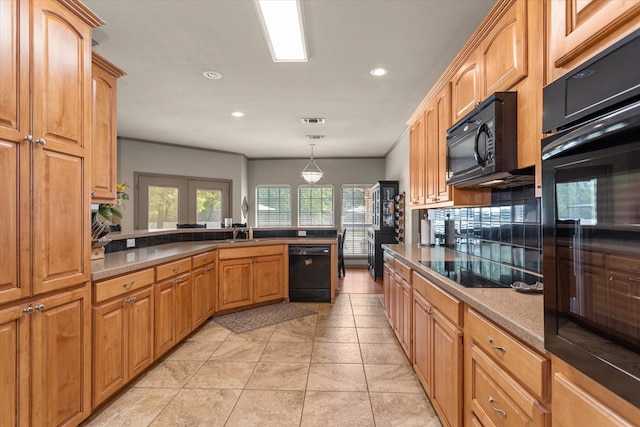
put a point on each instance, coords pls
(519, 313)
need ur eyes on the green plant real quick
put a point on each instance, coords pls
(108, 210)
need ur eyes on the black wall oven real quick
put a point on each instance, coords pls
(591, 218)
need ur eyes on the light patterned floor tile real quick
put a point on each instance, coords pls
(337, 409)
(198, 408)
(267, 408)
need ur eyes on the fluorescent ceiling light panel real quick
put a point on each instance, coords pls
(281, 21)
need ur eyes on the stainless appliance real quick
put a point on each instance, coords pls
(310, 273)
(482, 148)
(591, 218)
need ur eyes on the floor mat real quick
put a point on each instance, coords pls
(255, 318)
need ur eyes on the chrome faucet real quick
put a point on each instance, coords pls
(236, 230)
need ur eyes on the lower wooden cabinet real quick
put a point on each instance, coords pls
(250, 275)
(204, 279)
(438, 349)
(45, 375)
(123, 341)
(172, 312)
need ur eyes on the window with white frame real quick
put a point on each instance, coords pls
(273, 206)
(315, 206)
(356, 218)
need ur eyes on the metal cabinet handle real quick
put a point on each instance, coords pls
(496, 347)
(127, 300)
(177, 281)
(29, 138)
(498, 410)
(40, 307)
(175, 269)
(93, 193)
(29, 309)
(128, 285)
(41, 141)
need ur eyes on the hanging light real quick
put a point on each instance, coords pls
(311, 173)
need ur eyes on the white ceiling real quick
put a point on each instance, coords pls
(165, 45)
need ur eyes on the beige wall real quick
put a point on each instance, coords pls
(397, 168)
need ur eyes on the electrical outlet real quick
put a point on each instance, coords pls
(131, 243)
(302, 233)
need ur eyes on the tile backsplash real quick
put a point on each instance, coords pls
(508, 231)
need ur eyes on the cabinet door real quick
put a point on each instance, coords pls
(164, 318)
(14, 152)
(110, 351)
(199, 302)
(417, 167)
(387, 277)
(14, 367)
(61, 102)
(431, 156)
(580, 29)
(268, 276)
(235, 284)
(61, 359)
(211, 288)
(14, 70)
(439, 164)
(140, 331)
(103, 135)
(398, 307)
(446, 348)
(504, 51)
(465, 87)
(421, 341)
(406, 318)
(184, 296)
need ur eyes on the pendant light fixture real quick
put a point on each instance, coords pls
(311, 173)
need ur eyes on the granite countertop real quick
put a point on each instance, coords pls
(123, 262)
(519, 313)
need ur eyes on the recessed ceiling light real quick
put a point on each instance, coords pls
(213, 75)
(237, 114)
(313, 120)
(379, 72)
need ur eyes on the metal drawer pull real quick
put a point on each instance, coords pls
(500, 411)
(497, 347)
(28, 310)
(41, 141)
(40, 307)
(128, 285)
(175, 269)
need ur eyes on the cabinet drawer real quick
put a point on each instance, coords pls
(497, 399)
(403, 270)
(617, 262)
(530, 368)
(173, 269)
(445, 303)
(389, 260)
(203, 259)
(121, 285)
(250, 251)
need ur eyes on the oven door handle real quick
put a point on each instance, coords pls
(622, 119)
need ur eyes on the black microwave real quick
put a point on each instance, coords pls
(482, 148)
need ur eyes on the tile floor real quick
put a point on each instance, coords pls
(339, 367)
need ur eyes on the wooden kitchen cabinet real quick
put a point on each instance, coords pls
(401, 318)
(417, 163)
(578, 400)
(122, 331)
(249, 275)
(103, 130)
(466, 93)
(437, 348)
(45, 364)
(172, 305)
(580, 29)
(205, 286)
(44, 146)
(506, 383)
(387, 279)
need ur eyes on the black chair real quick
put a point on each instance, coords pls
(341, 270)
(191, 225)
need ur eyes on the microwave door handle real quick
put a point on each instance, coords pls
(482, 129)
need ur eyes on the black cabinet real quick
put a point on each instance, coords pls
(384, 223)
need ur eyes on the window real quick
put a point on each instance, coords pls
(315, 206)
(357, 217)
(273, 206)
(163, 201)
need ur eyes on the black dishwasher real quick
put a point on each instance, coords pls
(310, 273)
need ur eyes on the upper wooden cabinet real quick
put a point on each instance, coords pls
(45, 94)
(417, 166)
(580, 29)
(103, 130)
(466, 92)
